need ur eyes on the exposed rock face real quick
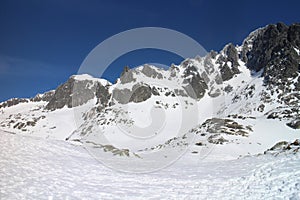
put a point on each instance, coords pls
(273, 49)
(151, 72)
(173, 71)
(102, 94)
(12, 102)
(127, 76)
(77, 92)
(228, 61)
(295, 124)
(121, 95)
(284, 147)
(180, 92)
(226, 126)
(196, 85)
(47, 96)
(139, 93)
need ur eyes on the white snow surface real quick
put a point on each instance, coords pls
(35, 168)
(82, 77)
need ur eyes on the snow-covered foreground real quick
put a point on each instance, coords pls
(34, 168)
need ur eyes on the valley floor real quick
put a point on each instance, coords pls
(33, 168)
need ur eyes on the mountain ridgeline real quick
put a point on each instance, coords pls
(274, 50)
(259, 79)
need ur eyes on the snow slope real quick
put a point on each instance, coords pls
(34, 168)
(56, 124)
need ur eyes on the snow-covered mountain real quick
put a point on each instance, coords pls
(240, 101)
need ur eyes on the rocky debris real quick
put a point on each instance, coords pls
(154, 91)
(283, 113)
(47, 96)
(13, 102)
(295, 124)
(115, 151)
(173, 142)
(226, 126)
(106, 117)
(17, 121)
(228, 89)
(273, 50)
(279, 145)
(199, 144)
(284, 147)
(261, 108)
(236, 116)
(217, 139)
(217, 131)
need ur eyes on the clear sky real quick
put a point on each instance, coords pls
(42, 43)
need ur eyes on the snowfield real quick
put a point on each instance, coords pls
(35, 168)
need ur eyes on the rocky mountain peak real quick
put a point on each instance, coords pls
(275, 50)
(78, 90)
(127, 76)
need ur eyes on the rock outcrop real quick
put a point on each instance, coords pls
(228, 61)
(77, 92)
(275, 49)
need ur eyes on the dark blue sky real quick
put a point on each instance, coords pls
(42, 43)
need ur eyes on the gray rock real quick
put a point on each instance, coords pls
(226, 72)
(77, 92)
(195, 85)
(151, 72)
(127, 76)
(213, 54)
(139, 93)
(180, 92)
(154, 91)
(228, 88)
(13, 102)
(47, 96)
(230, 55)
(173, 70)
(295, 124)
(297, 85)
(273, 51)
(103, 95)
(121, 95)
